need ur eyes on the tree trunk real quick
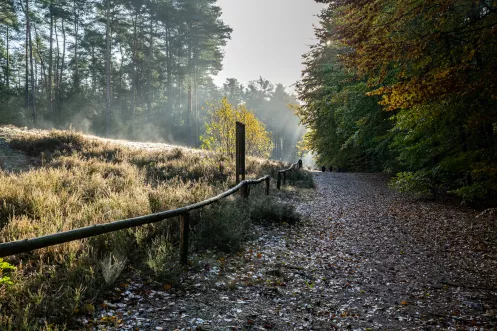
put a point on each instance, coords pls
(61, 74)
(169, 72)
(76, 39)
(196, 120)
(149, 69)
(107, 70)
(56, 81)
(26, 66)
(7, 74)
(133, 77)
(189, 114)
(42, 63)
(50, 62)
(33, 95)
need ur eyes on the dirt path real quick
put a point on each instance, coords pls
(365, 258)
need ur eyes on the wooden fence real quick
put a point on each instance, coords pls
(26, 245)
(296, 165)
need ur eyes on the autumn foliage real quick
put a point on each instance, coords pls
(221, 131)
(429, 68)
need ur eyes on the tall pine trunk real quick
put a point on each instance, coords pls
(61, 73)
(169, 70)
(42, 62)
(7, 76)
(133, 77)
(76, 82)
(189, 114)
(56, 75)
(149, 69)
(26, 67)
(107, 70)
(50, 63)
(33, 94)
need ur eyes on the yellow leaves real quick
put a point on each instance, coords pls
(220, 131)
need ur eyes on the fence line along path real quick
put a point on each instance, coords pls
(26, 245)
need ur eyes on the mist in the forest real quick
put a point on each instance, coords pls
(128, 70)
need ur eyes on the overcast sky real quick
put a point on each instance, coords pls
(268, 39)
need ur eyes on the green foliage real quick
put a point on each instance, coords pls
(159, 53)
(5, 267)
(414, 182)
(162, 259)
(348, 130)
(408, 88)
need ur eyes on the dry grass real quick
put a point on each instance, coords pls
(78, 182)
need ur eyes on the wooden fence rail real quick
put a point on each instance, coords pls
(296, 165)
(26, 245)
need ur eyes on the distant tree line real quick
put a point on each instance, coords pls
(407, 87)
(136, 69)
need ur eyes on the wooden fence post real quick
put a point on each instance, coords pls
(183, 241)
(278, 184)
(240, 152)
(300, 163)
(245, 191)
(267, 185)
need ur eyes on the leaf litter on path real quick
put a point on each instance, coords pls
(364, 258)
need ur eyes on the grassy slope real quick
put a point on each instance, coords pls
(77, 182)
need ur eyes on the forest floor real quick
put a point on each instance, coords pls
(363, 258)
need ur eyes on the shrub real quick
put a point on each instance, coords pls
(300, 178)
(223, 226)
(266, 210)
(162, 259)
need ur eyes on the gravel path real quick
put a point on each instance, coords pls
(365, 258)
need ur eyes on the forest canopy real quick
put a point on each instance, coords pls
(133, 69)
(407, 87)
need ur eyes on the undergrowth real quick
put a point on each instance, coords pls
(76, 182)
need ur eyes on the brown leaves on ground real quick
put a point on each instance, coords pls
(366, 258)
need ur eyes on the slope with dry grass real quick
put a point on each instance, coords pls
(77, 181)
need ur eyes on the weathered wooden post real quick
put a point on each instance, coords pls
(240, 152)
(183, 240)
(245, 191)
(300, 163)
(267, 185)
(278, 183)
(240, 157)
